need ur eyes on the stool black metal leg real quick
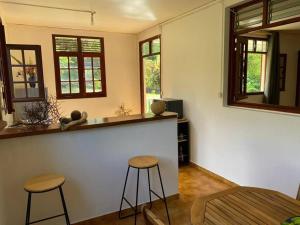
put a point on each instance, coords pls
(163, 192)
(28, 209)
(137, 196)
(149, 188)
(124, 191)
(64, 205)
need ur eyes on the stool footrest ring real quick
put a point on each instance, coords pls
(153, 192)
(49, 218)
(131, 206)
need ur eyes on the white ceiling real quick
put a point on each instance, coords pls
(126, 16)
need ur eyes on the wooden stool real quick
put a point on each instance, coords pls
(42, 184)
(142, 162)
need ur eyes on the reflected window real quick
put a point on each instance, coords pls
(26, 73)
(79, 66)
(256, 66)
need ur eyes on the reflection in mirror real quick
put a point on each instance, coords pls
(267, 66)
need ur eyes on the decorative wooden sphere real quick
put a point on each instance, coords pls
(76, 115)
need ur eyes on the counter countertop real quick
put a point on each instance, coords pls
(91, 123)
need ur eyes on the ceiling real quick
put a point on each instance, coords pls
(125, 16)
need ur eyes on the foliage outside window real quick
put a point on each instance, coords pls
(256, 65)
(79, 66)
(26, 73)
(150, 71)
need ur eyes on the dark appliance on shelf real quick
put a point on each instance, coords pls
(173, 105)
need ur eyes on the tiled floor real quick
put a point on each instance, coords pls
(193, 183)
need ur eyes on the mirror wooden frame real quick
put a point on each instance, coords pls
(231, 67)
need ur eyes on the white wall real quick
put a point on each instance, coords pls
(121, 58)
(249, 147)
(94, 165)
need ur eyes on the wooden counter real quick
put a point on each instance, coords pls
(91, 123)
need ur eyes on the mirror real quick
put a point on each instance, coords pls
(267, 66)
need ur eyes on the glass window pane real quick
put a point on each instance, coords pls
(64, 74)
(30, 57)
(91, 45)
(74, 74)
(96, 62)
(259, 46)
(98, 86)
(19, 90)
(146, 48)
(265, 46)
(18, 74)
(87, 62)
(63, 62)
(33, 90)
(254, 72)
(65, 88)
(97, 74)
(89, 86)
(156, 45)
(31, 74)
(250, 45)
(75, 87)
(73, 62)
(88, 75)
(66, 44)
(16, 57)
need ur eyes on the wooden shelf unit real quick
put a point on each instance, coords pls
(183, 142)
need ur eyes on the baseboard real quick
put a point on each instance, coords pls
(215, 176)
(125, 211)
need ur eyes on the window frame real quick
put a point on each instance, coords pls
(141, 57)
(39, 67)
(80, 59)
(255, 39)
(231, 101)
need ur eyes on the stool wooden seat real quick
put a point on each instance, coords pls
(44, 183)
(143, 162)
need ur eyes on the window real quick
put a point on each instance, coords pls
(26, 73)
(150, 72)
(79, 66)
(256, 66)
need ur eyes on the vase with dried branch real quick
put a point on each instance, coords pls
(42, 113)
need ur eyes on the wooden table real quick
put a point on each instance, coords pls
(244, 205)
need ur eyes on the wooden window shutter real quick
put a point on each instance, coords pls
(241, 68)
(4, 72)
